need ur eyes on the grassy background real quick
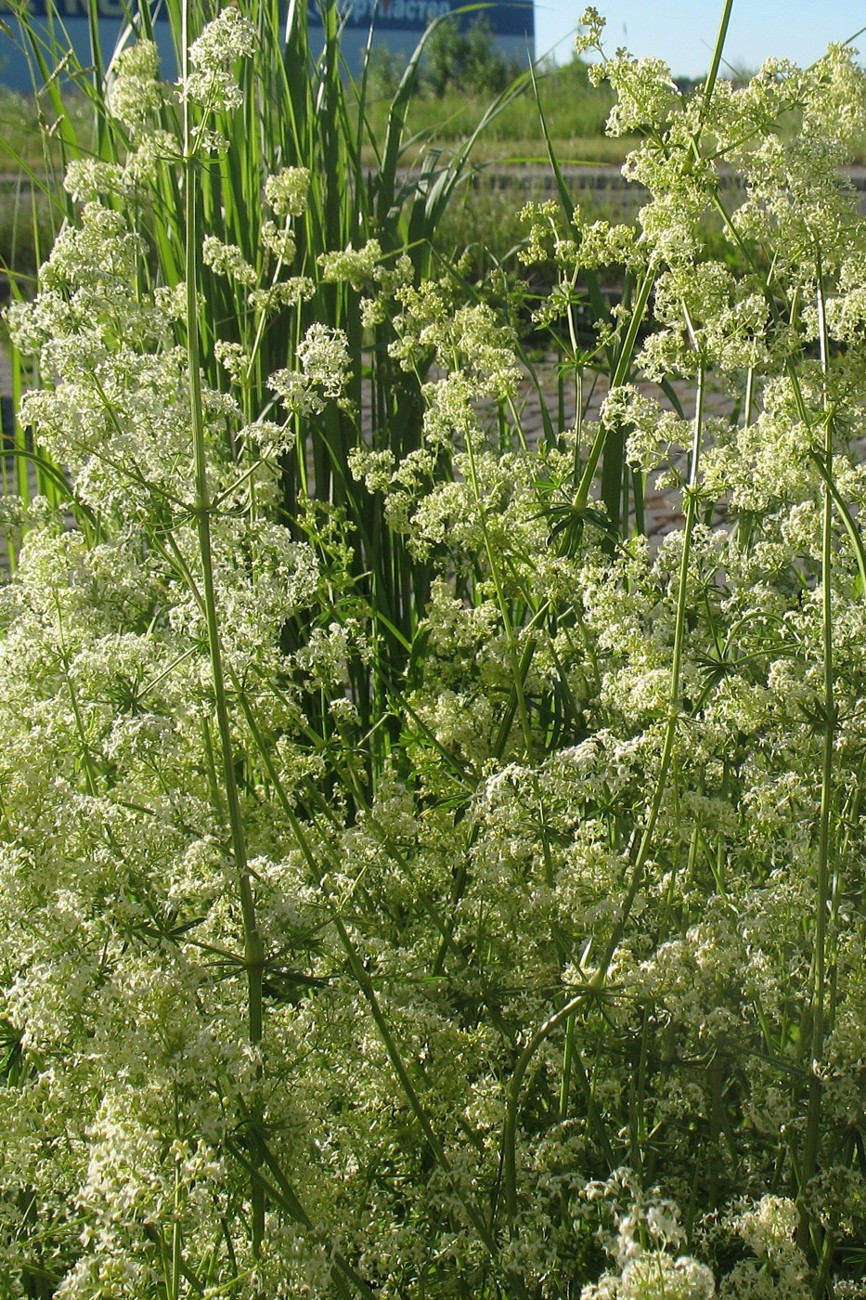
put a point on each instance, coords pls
(486, 213)
(509, 161)
(575, 112)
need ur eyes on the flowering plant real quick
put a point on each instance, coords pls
(417, 878)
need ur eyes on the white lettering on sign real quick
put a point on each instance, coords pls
(396, 13)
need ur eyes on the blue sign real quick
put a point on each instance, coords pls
(398, 24)
(505, 19)
(66, 23)
(508, 19)
(63, 9)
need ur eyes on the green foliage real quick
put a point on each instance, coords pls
(417, 877)
(576, 110)
(467, 60)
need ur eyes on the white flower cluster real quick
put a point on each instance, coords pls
(135, 94)
(286, 191)
(326, 365)
(647, 1234)
(225, 40)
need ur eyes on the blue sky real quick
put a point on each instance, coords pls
(683, 32)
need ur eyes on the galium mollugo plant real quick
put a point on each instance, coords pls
(287, 109)
(532, 967)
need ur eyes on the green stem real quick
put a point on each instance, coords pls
(176, 1241)
(822, 889)
(567, 1063)
(518, 669)
(618, 377)
(509, 1132)
(712, 76)
(515, 1086)
(365, 984)
(674, 703)
(253, 947)
(86, 758)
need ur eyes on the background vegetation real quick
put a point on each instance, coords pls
(451, 96)
(456, 85)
